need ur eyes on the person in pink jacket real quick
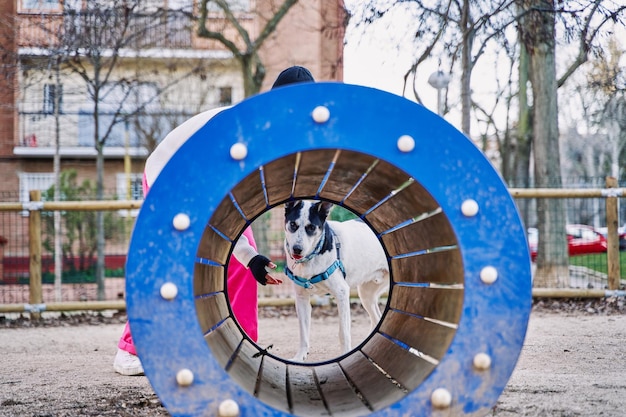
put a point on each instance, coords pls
(246, 267)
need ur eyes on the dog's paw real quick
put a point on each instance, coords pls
(300, 357)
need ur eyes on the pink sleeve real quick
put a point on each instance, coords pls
(144, 185)
(242, 293)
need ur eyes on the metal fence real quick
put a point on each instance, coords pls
(590, 268)
(596, 242)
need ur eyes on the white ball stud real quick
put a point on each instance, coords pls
(321, 114)
(228, 408)
(469, 208)
(441, 398)
(184, 377)
(169, 291)
(489, 275)
(482, 361)
(406, 143)
(181, 221)
(238, 151)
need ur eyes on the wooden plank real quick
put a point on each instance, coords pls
(306, 399)
(249, 195)
(427, 337)
(279, 175)
(409, 203)
(97, 205)
(442, 267)
(244, 367)
(312, 170)
(339, 394)
(564, 192)
(227, 219)
(207, 279)
(35, 295)
(223, 341)
(403, 366)
(213, 247)
(348, 170)
(211, 310)
(377, 389)
(443, 304)
(272, 389)
(612, 253)
(429, 233)
(378, 184)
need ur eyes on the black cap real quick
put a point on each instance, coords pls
(292, 75)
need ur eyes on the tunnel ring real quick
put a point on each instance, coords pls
(442, 312)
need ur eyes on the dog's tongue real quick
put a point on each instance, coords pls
(296, 257)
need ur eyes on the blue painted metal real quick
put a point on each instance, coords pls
(444, 161)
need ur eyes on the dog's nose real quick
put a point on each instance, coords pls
(297, 250)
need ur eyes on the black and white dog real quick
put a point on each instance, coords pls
(331, 257)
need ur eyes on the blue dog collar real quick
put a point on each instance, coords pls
(308, 283)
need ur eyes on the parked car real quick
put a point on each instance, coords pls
(621, 233)
(581, 240)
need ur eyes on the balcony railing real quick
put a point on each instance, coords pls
(77, 132)
(166, 29)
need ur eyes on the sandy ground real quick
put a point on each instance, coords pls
(573, 364)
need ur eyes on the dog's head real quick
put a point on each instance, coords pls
(304, 225)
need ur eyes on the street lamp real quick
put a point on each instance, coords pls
(439, 80)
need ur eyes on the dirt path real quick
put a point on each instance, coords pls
(572, 364)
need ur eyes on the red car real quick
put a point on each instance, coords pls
(581, 240)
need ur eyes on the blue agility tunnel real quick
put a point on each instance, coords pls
(460, 293)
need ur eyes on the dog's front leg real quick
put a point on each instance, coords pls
(303, 310)
(342, 295)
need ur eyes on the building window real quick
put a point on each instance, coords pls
(50, 98)
(183, 5)
(41, 181)
(119, 100)
(34, 181)
(234, 5)
(40, 5)
(226, 96)
(136, 191)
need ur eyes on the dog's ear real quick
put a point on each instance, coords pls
(324, 208)
(291, 205)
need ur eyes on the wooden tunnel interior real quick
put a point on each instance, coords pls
(425, 297)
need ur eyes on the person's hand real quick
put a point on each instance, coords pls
(257, 266)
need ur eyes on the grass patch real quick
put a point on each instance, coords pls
(598, 262)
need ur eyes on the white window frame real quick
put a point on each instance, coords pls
(30, 181)
(32, 5)
(121, 191)
(50, 92)
(235, 6)
(184, 5)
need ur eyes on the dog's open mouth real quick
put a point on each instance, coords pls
(296, 257)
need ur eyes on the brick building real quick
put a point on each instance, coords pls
(35, 98)
(311, 34)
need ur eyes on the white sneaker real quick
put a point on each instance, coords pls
(126, 363)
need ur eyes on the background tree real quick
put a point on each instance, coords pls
(245, 47)
(232, 34)
(606, 85)
(538, 35)
(583, 22)
(456, 33)
(93, 42)
(9, 85)
(99, 43)
(465, 31)
(79, 243)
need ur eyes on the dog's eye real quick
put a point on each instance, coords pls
(310, 229)
(293, 226)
